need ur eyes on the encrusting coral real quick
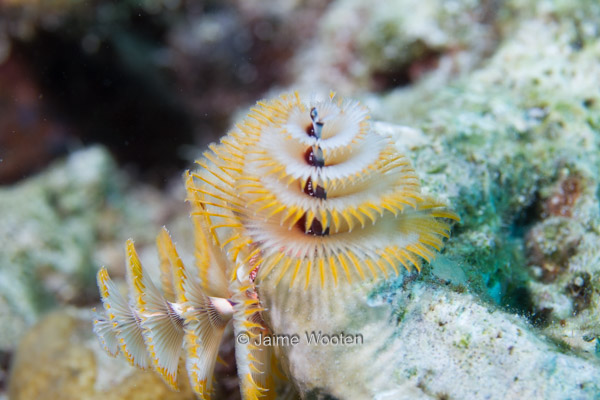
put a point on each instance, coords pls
(300, 199)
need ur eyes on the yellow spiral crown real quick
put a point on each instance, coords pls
(306, 189)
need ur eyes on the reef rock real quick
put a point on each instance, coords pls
(377, 46)
(60, 358)
(47, 238)
(514, 145)
(60, 227)
(414, 340)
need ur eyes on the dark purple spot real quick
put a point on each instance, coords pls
(312, 159)
(315, 229)
(314, 191)
(310, 130)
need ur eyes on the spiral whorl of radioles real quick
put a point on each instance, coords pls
(316, 192)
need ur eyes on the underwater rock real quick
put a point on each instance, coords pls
(62, 226)
(47, 240)
(514, 144)
(379, 46)
(423, 341)
(60, 358)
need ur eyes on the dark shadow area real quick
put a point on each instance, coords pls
(107, 100)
